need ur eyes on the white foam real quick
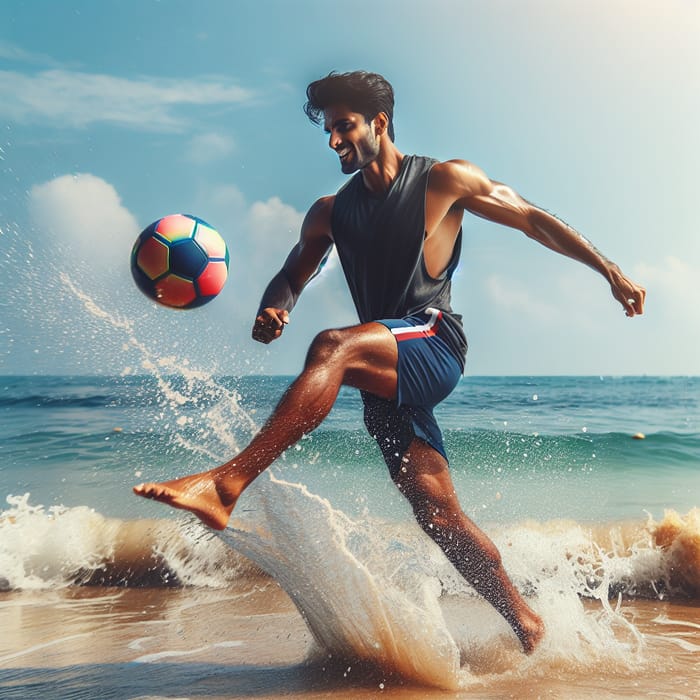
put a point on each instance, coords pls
(43, 548)
(40, 548)
(151, 658)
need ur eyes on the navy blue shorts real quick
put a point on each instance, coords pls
(428, 371)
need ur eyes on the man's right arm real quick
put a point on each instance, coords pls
(302, 263)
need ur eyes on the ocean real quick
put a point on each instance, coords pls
(322, 585)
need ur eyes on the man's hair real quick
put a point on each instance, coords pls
(362, 92)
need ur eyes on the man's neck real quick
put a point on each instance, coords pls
(382, 171)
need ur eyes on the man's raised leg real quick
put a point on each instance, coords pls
(363, 356)
(425, 480)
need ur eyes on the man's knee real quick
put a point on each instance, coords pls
(326, 346)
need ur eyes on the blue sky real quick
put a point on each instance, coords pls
(113, 114)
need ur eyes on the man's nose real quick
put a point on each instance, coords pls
(333, 140)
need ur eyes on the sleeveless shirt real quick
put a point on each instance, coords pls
(380, 246)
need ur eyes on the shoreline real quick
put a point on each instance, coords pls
(251, 642)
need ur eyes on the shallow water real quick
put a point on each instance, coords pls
(135, 643)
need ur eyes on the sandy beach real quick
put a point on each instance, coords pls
(90, 642)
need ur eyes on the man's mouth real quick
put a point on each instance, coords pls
(344, 153)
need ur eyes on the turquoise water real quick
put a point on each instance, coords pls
(537, 447)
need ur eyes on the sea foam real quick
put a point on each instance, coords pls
(44, 548)
(374, 591)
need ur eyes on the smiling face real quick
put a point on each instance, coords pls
(353, 138)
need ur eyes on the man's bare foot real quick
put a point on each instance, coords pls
(197, 493)
(530, 631)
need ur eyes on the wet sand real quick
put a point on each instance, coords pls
(90, 642)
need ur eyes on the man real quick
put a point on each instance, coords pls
(397, 227)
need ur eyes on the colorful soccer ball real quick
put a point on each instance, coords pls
(180, 261)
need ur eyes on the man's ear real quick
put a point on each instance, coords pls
(381, 123)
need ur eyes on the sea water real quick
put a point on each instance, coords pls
(519, 447)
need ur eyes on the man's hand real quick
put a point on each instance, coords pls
(270, 324)
(629, 294)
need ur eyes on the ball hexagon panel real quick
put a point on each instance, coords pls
(187, 258)
(153, 258)
(176, 227)
(212, 280)
(177, 290)
(211, 241)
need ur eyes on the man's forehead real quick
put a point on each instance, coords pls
(336, 113)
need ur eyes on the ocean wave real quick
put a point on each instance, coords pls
(44, 548)
(43, 400)
(371, 591)
(500, 449)
(463, 446)
(58, 546)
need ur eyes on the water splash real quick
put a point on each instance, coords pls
(383, 593)
(182, 388)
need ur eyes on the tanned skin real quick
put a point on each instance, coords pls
(365, 356)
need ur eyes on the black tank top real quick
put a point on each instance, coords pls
(380, 245)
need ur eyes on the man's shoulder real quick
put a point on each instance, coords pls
(458, 175)
(324, 203)
(446, 170)
(317, 222)
(453, 166)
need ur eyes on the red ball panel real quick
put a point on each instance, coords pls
(175, 291)
(212, 280)
(153, 258)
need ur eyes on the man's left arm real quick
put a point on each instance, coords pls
(499, 203)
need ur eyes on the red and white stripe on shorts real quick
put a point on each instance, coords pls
(423, 331)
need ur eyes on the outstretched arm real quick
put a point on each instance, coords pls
(301, 265)
(500, 203)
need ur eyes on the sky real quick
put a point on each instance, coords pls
(116, 113)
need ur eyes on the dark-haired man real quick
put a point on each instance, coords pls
(397, 227)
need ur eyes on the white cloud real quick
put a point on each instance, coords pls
(274, 218)
(205, 148)
(85, 216)
(260, 235)
(275, 225)
(225, 199)
(77, 99)
(12, 52)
